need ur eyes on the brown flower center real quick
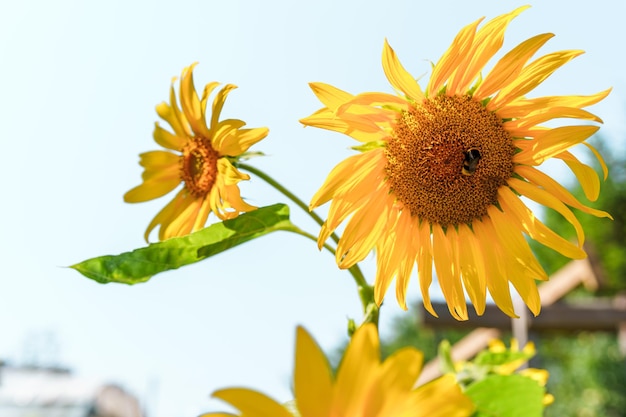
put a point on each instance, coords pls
(447, 158)
(198, 166)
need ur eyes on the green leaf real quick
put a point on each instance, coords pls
(141, 264)
(507, 396)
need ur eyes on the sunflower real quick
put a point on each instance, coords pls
(200, 156)
(363, 385)
(442, 171)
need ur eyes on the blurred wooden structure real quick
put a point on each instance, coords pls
(597, 317)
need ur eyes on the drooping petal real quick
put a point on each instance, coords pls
(533, 227)
(448, 272)
(545, 198)
(472, 268)
(605, 170)
(425, 265)
(587, 176)
(495, 265)
(541, 179)
(362, 232)
(512, 238)
(165, 216)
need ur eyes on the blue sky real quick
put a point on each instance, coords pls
(79, 84)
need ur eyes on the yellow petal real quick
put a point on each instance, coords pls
(166, 139)
(586, 175)
(513, 240)
(487, 42)
(531, 76)
(151, 190)
(509, 67)
(347, 174)
(495, 265)
(398, 77)
(190, 103)
(541, 179)
(522, 107)
(252, 403)
(450, 60)
(520, 127)
(362, 105)
(331, 97)
(313, 378)
(218, 104)
(441, 398)
(552, 142)
(545, 198)
(164, 216)
(224, 134)
(356, 372)
(182, 223)
(391, 394)
(448, 272)
(605, 170)
(534, 228)
(472, 268)
(241, 140)
(172, 114)
(362, 232)
(362, 131)
(407, 236)
(208, 89)
(425, 265)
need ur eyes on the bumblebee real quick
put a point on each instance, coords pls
(470, 162)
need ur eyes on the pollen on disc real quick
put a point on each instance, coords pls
(427, 153)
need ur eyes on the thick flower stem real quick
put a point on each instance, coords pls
(366, 291)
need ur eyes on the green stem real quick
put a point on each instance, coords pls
(366, 291)
(271, 181)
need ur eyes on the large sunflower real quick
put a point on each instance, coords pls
(441, 171)
(363, 385)
(201, 161)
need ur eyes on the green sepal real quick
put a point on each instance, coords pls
(370, 146)
(141, 264)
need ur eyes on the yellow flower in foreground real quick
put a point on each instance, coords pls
(363, 385)
(202, 161)
(441, 171)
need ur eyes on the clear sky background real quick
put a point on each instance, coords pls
(79, 81)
